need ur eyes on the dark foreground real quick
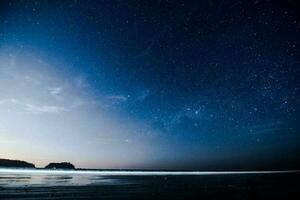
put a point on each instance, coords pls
(81, 186)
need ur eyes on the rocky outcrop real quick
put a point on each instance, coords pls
(15, 164)
(63, 165)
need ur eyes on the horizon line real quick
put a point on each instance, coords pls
(141, 172)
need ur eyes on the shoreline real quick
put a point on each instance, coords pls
(139, 172)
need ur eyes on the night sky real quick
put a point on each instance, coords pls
(151, 84)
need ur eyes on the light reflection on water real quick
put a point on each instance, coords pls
(50, 179)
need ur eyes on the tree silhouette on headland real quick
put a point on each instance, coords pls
(15, 163)
(63, 165)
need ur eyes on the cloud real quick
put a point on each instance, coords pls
(6, 101)
(31, 79)
(116, 99)
(32, 108)
(55, 91)
(43, 109)
(78, 102)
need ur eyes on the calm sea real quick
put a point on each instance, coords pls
(42, 184)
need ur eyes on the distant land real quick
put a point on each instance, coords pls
(7, 163)
(15, 163)
(63, 165)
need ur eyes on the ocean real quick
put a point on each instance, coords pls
(47, 184)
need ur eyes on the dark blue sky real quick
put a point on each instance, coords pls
(151, 84)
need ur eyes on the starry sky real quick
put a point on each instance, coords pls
(151, 84)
